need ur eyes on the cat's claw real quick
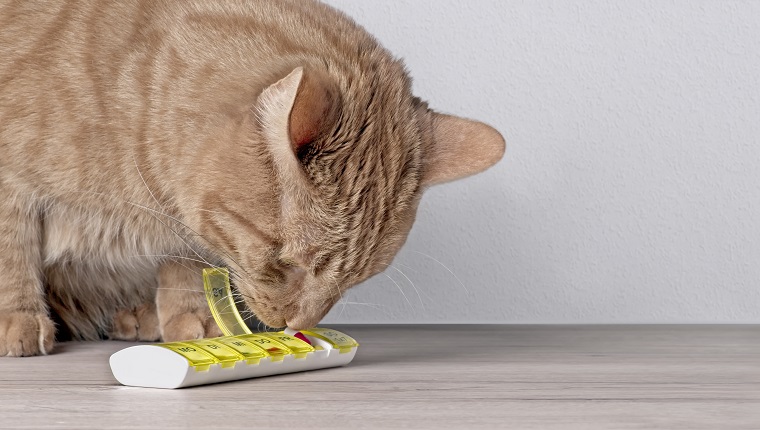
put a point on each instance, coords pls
(23, 334)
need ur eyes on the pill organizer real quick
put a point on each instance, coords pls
(239, 354)
(228, 358)
(216, 284)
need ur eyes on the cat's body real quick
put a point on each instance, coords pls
(141, 141)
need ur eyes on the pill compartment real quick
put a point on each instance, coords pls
(297, 347)
(196, 357)
(226, 356)
(340, 341)
(276, 350)
(250, 352)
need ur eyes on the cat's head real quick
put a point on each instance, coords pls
(321, 187)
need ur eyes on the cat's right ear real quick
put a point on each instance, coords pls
(296, 112)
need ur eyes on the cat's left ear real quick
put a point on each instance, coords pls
(297, 111)
(459, 148)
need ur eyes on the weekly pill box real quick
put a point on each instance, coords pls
(228, 358)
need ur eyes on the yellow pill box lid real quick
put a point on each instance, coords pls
(196, 356)
(250, 352)
(275, 350)
(340, 341)
(298, 347)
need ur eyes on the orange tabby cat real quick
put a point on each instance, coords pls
(141, 141)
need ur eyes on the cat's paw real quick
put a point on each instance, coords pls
(136, 324)
(24, 333)
(190, 325)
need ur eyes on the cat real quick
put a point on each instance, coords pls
(143, 140)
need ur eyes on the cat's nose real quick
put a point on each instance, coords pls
(301, 323)
(304, 320)
(308, 317)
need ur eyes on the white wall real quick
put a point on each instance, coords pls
(630, 191)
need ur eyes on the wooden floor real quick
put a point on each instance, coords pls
(463, 377)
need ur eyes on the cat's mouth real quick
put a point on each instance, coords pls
(300, 315)
(303, 321)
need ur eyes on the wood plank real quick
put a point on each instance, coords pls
(464, 376)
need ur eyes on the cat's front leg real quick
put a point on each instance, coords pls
(25, 327)
(183, 312)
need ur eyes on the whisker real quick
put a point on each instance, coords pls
(412, 284)
(187, 227)
(342, 309)
(334, 282)
(181, 289)
(220, 300)
(146, 184)
(237, 272)
(400, 289)
(374, 306)
(177, 257)
(408, 267)
(203, 260)
(164, 214)
(210, 211)
(444, 266)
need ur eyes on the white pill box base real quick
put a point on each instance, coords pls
(157, 367)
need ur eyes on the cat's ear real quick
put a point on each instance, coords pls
(459, 148)
(297, 110)
(315, 109)
(294, 113)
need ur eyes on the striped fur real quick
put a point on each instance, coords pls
(140, 142)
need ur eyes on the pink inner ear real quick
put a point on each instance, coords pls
(314, 110)
(302, 140)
